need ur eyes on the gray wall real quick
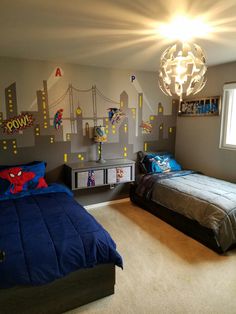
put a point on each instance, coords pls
(197, 138)
(33, 83)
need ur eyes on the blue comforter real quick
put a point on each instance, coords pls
(47, 235)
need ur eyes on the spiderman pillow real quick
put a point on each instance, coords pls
(17, 179)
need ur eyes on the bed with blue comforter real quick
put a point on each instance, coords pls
(45, 235)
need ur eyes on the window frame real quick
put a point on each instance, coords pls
(225, 117)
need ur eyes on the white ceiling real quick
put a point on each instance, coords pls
(110, 33)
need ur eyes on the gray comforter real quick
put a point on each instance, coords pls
(210, 201)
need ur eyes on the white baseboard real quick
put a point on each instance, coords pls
(122, 200)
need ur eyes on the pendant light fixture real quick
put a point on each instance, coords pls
(182, 70)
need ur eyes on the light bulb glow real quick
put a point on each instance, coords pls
(184, 29)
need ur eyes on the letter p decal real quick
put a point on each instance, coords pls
(132, 78)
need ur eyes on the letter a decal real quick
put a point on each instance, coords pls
(58, 72)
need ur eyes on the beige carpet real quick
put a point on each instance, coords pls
(164, 270)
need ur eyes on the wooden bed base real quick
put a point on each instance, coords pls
(74, 290)
(188, 226)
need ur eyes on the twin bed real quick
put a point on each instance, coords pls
(54, 255)
(200, 206)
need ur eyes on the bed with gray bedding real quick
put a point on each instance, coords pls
(206, 203)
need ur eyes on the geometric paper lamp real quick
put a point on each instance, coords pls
(182, 70)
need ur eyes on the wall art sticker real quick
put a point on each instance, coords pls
(58, 119)
(115, 115)
(146, 126)
(78, 111)
(61, 133)
(132, 78)
(58, 72)
(18, 123)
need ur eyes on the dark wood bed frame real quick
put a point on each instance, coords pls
(74, 290)
(188, 226)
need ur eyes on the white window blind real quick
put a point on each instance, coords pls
(228, 118)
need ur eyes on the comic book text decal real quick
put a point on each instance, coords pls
(16, 124)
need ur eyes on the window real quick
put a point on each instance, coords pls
(228, 118)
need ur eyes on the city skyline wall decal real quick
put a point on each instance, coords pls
(42, 141)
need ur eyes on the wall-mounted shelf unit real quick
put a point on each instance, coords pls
(89, 174)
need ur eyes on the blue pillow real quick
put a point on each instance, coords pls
(35, 162)
(163, 162)
(17, 179)
(175, 166)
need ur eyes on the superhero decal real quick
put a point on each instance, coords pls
(58, 119)
(146, 126)
(115, 115)
(18, 179)
(19, 123)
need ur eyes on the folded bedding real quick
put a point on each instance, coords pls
(209, 201)
(45, 234)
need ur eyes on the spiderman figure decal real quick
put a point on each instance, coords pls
(58, 119)
(18, 179)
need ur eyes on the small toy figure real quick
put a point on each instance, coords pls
(91, 178)
(58, 119)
